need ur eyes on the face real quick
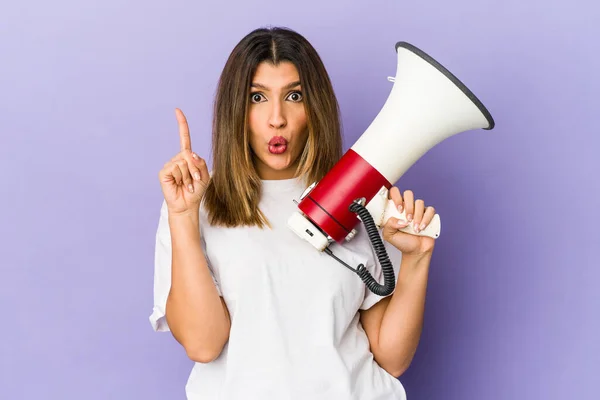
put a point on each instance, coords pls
(277, 120)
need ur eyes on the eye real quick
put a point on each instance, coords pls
(295, 96)
(256, 97)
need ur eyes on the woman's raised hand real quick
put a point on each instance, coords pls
(184, 178)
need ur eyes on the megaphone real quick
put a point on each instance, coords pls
(427, 104)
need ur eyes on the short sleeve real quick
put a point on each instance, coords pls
(162, 271)
(395, 257)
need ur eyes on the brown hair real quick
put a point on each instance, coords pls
(233, 193)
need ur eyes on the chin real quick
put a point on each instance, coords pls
(277, 165)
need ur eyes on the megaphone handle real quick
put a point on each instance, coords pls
(432, 230)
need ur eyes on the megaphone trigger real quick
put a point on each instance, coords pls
(382, 209)
(432, 230)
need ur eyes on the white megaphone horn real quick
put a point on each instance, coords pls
(426, 105)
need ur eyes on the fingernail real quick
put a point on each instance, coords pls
(191, 188)
(197, 176)
(400, 208)
(409, 217)
(401, 223)
(195, 155)
(422, 226)
(416, 227)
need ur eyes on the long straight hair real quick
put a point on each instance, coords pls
(233, 193)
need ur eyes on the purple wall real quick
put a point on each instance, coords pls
(87, 94)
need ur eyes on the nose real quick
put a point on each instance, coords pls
(277, 119)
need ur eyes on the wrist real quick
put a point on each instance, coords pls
(417, 258)
(186, 217)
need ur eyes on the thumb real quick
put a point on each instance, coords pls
(393, 224)
(392, 227)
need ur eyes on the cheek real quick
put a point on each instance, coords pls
(253, 127)
(300, 122)
(253, 121)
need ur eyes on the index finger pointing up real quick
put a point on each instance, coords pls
(184, 131)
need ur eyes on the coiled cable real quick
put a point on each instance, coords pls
(389, 279)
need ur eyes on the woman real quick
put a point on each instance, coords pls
(261, 312)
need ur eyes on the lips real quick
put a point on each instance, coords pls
(277, 140)
(277, 145)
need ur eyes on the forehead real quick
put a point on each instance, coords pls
(275, 77)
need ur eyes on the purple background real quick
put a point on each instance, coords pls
(87, 93)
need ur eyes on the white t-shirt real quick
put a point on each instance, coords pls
(295, 329)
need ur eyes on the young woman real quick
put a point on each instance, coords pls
(263, 314)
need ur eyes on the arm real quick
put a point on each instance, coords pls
(394, 324)
(196, 314)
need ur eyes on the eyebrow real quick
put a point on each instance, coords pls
(263, 87)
